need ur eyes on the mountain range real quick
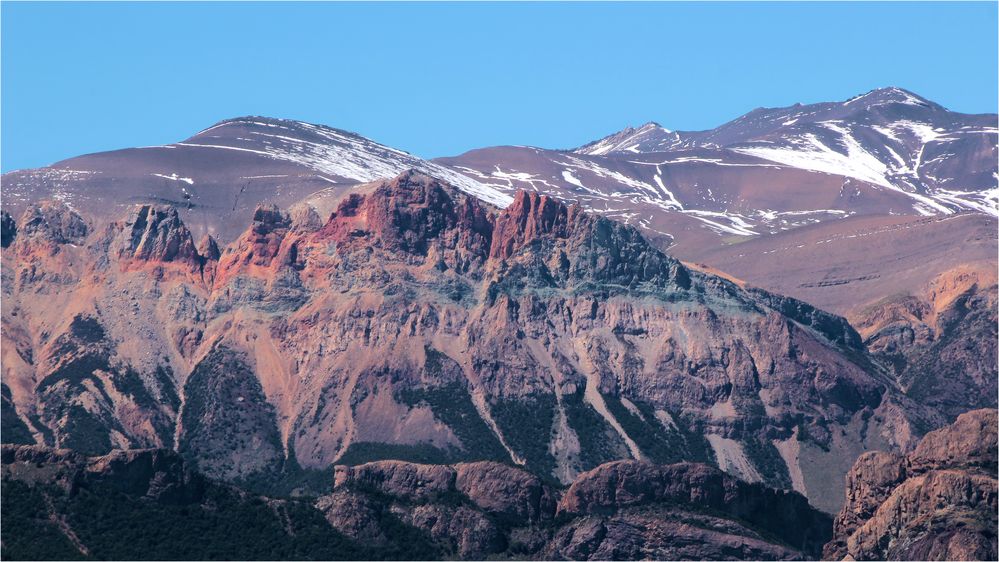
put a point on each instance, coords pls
(756, 305)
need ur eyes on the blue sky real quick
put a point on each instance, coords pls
(440, 79)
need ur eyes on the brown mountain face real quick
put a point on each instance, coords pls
(938, 502)
(941, 342)
(920, 291)
(418, 323)
(852, 206)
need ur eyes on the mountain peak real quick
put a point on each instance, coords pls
(889, 95)
(650, 137)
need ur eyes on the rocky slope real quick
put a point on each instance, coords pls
(938, 502)
(941, 341)
(150, 505)
(418, 323)
(920, 291)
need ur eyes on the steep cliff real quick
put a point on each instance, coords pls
(938, 502)
(418, 323)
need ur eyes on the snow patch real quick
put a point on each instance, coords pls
(175, 177)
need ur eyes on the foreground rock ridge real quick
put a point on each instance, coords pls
(394, 509)
(938, 502)
(418, 323)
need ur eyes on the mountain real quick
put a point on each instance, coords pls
(885, 152)
(420, 323)
(860, 207)
(748, 306)
(218, 177)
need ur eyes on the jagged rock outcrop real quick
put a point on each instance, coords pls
(938, 502)
(157, 234)
(52, 223)
(624, 487)
(942, 341)
(261, 243)
(492, 487)
(418, 323)
(208, 248)
(621, 510)
(469, 509)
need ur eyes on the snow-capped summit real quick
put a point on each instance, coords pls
(886, 151)
(890, 95)
(650, 137)
(220, 175)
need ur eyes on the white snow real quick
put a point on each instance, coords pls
(736, 223)
(174, 177)
(353, 157)
(812, 154)
(670, 198)
(982, 201)
(567, 176)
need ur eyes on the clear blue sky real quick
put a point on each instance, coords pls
(439, 79)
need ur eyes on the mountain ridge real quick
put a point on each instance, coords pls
(412, 291)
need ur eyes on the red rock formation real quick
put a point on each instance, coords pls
(937, 503)
(419, 317)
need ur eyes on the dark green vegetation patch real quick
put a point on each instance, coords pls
(224, 525)
(598, 441)
(527, 425)
(453, 405)
(659, 444)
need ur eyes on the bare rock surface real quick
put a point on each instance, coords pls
(418, 323)
(620, 510)
(936, 503)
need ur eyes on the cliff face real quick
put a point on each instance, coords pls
(936, 503)
(635, 510)
(942, 341)
(418, 323)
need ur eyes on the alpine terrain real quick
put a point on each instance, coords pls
(776, 339)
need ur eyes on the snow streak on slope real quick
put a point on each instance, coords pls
(810, 153)
(338, 153)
